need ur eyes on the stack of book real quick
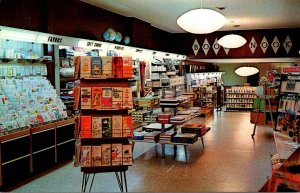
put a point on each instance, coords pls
(178, 119)
(139, 115)
(152, 136)
(151, 118)
(148, 102)
(170, 102)
(167, 136)
(198, 129)
(185, 138)
(164, 117)
(139, 135)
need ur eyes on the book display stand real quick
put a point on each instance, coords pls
(105, 126)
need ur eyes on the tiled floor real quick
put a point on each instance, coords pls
(230, 162)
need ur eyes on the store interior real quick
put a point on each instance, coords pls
(118, 100)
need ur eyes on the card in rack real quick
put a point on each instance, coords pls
(117, 97)
(96, 127)
(85, 129)
(127, 98)
(86, 98)
(85, 67)
(96, 156)
(96, 67)
(106, 67)
(106, 127)
(117, 126)
(127, 154)
(106, 154)
(117, 67)
(127, 126)
(106, 98)
(127, 67)
(96, 97)
(86, 157)
(116, 154)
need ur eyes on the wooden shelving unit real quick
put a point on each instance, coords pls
(239, 98)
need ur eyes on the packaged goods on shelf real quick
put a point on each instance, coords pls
(169, 102)
(151, 118)
(164, 117)
(148, 101)
(157, 127)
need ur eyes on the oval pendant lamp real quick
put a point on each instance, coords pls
(246, 71)
(201, 21)
(232, 41)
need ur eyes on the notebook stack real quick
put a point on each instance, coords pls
(152, 136)
(185, 138)
(157, 127)
(167, 136)
(148, 102)
(139, 135)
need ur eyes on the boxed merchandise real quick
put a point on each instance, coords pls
(127, 67)
(178, 119)
(106, 67)
(127, 154)
(96, 156)
(117, 97)
(106, 98)
(139, 135)
(185, 138)
(96, 127)
(127, 126)
(85, 122)
(127, 98)
(86, 157)
(117, 67)
(106, 127)
(96, 97)
(96, 67)
(85, 67)
(116, 154)
(86, 99)
(164, 117)
(117, 126)
(198, 129)
(169, 102)
(106, 154)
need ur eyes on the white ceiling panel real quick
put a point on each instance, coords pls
(250, 14)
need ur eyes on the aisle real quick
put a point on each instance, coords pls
(231, 161)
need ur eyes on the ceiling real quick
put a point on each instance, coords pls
(249, 14)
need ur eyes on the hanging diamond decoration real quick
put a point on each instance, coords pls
(196, 47)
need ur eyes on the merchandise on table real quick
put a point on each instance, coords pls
(185, 138)
(152, 136)
(167, 136)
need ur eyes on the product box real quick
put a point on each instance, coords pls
(116, 154)
(85, 122)
(96, 98)
(117, 126)
(127, 154)
(106, 98)
(86, 98)
(96, 67)
(127, 126)
(96, 127)
(117, 97)
(106, 127)
(85, 67)
(106, 67)
(85, 157)
(106, 154)
(96, 156)
(127, 67)
(127, 98)
(117, 67)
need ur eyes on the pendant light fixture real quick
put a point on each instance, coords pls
(232, 40)
(201, 21)
(246, 71)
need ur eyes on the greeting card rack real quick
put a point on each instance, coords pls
(105, 126)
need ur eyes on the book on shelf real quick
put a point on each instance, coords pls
(96, 67)
(85, 67)
(85, 123)
(96, 127)
(106, 98)
(106, 154)
(106, 127)
(116, 154)
(106, 67)
(96, 156)
(117, 97)
(86, 157)
(127, 154)
(96, 98)
(117, 126)
(127, 126)
(127, 67)
(86, 98)
(117, 67)
(127, 98)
